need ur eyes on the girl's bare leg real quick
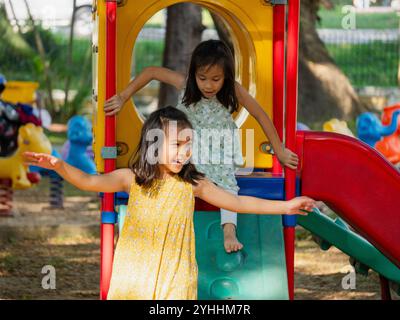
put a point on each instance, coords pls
(229, 223)
(231, 242)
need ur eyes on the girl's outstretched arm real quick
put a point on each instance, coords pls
(118, 180)
(116, 102)
(209, 192)
(285, 156)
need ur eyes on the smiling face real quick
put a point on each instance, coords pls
(210, 80)
(165, 148)
(176, 150)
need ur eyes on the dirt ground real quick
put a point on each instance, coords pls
(69, 240)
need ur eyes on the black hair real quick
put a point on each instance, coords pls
(146, 172)
(206, 54)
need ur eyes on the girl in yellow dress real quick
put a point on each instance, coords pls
(155, 256)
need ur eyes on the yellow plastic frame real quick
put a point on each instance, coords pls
(250, 21)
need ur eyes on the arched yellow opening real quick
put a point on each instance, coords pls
(250, 23)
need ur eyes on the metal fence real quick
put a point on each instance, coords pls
(368, 57)
(149, 47)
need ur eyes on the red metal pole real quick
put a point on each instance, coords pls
(278, 66)
(290, 126)
(107, 229)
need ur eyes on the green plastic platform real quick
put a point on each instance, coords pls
(258, 271)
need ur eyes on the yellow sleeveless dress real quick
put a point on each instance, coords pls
(155, 255)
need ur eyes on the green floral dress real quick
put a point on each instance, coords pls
(217, 150)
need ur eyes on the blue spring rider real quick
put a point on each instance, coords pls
(370, 129)
(75, 153)
(80, 138)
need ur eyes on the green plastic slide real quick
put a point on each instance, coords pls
(338, 234)
(258, 271)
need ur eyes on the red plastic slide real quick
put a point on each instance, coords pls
(357, 183)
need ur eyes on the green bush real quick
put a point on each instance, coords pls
(148, 53)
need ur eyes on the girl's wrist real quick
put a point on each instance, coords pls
(60, 166)
(285, 206)
(123, 96)
(279, 151)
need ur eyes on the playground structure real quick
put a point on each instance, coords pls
(15, 110)
(16, 100)
(80, 137)
(389, 146)
(30, 138)
(383, 135)
(20, 92)
(21, 131)
(337, 126)
(264, 269)
(371, 130)
(74, 152)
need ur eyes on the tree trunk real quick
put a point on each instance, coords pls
(14, 42)
(15, 17)
(184, 29)
(222, 31)
(324, 91)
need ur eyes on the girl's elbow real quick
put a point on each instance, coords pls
(241, 210)
(236, 207)
(87, 188)
(262, 117)
(149, 72)
(91, 184)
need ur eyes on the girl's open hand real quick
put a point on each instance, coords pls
(288, 158)
(113, 105)
(42, 160)
(296, 205)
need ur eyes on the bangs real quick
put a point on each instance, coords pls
(207, 54)
(209, 62)
(146, 173)
(181, 125)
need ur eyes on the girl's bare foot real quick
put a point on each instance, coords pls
(231, 243)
